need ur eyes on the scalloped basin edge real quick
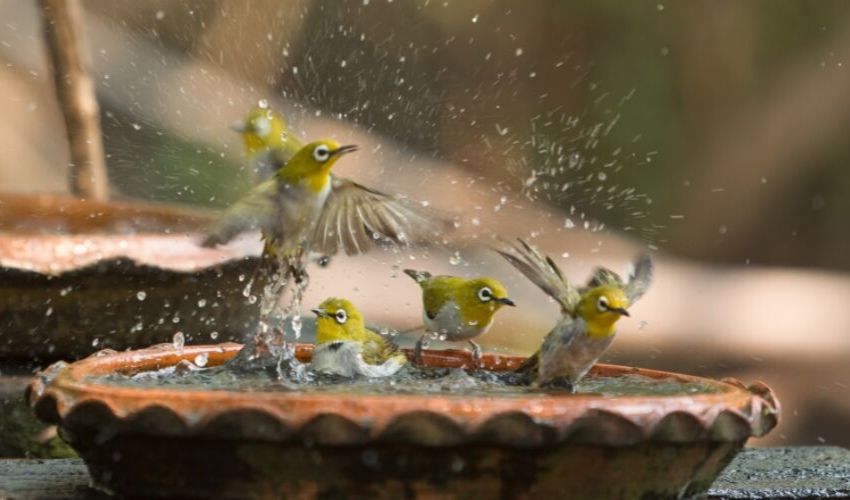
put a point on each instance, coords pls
(229, 444)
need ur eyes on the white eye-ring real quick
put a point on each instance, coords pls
(262, 126)
(321, 153)
(485, 294)
(602, 303)
(341, 317)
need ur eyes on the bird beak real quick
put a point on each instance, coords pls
(239, 126)
(506, 301)
(620, 310)
(319, 312)
(350, 148)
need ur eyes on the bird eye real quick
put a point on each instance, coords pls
(602, 303)
(321, 153)
(485, 294)
(341, 317)
(262, 126)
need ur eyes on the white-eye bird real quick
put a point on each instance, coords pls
(264, 130)
(588, 315)
(344, 346)
(457, 309)
(304, 208)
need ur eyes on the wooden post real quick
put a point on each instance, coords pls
(63, 34)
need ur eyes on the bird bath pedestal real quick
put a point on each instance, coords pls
(155, 442)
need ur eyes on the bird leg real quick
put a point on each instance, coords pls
(417, 350)
(476, 354)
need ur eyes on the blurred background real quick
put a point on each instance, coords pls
(713, 134)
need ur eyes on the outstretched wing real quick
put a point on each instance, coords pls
(602, 276)
(640, 278)
(254, 211)
(543, 272)
(355, 218)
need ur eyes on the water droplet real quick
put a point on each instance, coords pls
(475, 18)
(140, 295)
(601, 176)
(569, 224)
(202, 303)
(95, 342)
(201, 359)
(178, 341)
(213, 335)
(476, 221)
(263, 104)
(518, 52)
(136, 126)
(455, 258)
(160, 15)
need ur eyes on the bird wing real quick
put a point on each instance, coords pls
(544, 273)
(355, 217)
(640, 278)
(377, 349)
(602, 276)
(253, 211)
(437, 291)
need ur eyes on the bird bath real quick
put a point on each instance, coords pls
(173, 441)
(79, 275)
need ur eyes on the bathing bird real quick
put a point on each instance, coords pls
(458, 309)
(263, 131)
(303, 208)
(344, 346)
(588, 315)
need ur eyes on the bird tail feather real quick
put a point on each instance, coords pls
(418, 276)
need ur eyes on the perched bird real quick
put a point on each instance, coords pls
(458, 309)
(304, 208)
(263, 131)
(344, 346)
(588, 315)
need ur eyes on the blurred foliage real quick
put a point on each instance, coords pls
(473, 82)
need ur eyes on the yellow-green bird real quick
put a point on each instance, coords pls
(457, 309)
(303, 208)
(263, 131)
(588, 315)
(344, 346)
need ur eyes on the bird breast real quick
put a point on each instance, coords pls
(450, 322)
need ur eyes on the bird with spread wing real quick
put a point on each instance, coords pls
(588, 315)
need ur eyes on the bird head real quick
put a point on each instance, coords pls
(480, 298)
(601, 307)
(261, 129)
(312, 163)
(337, 319)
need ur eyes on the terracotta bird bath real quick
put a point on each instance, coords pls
(77, 276)
(161, 441)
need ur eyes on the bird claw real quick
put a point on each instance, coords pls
(559, 383)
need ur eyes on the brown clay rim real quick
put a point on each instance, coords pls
(734, 413)
(53, 235)
(49, 213)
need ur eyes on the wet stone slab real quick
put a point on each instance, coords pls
(800, 472)
(784, 473)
